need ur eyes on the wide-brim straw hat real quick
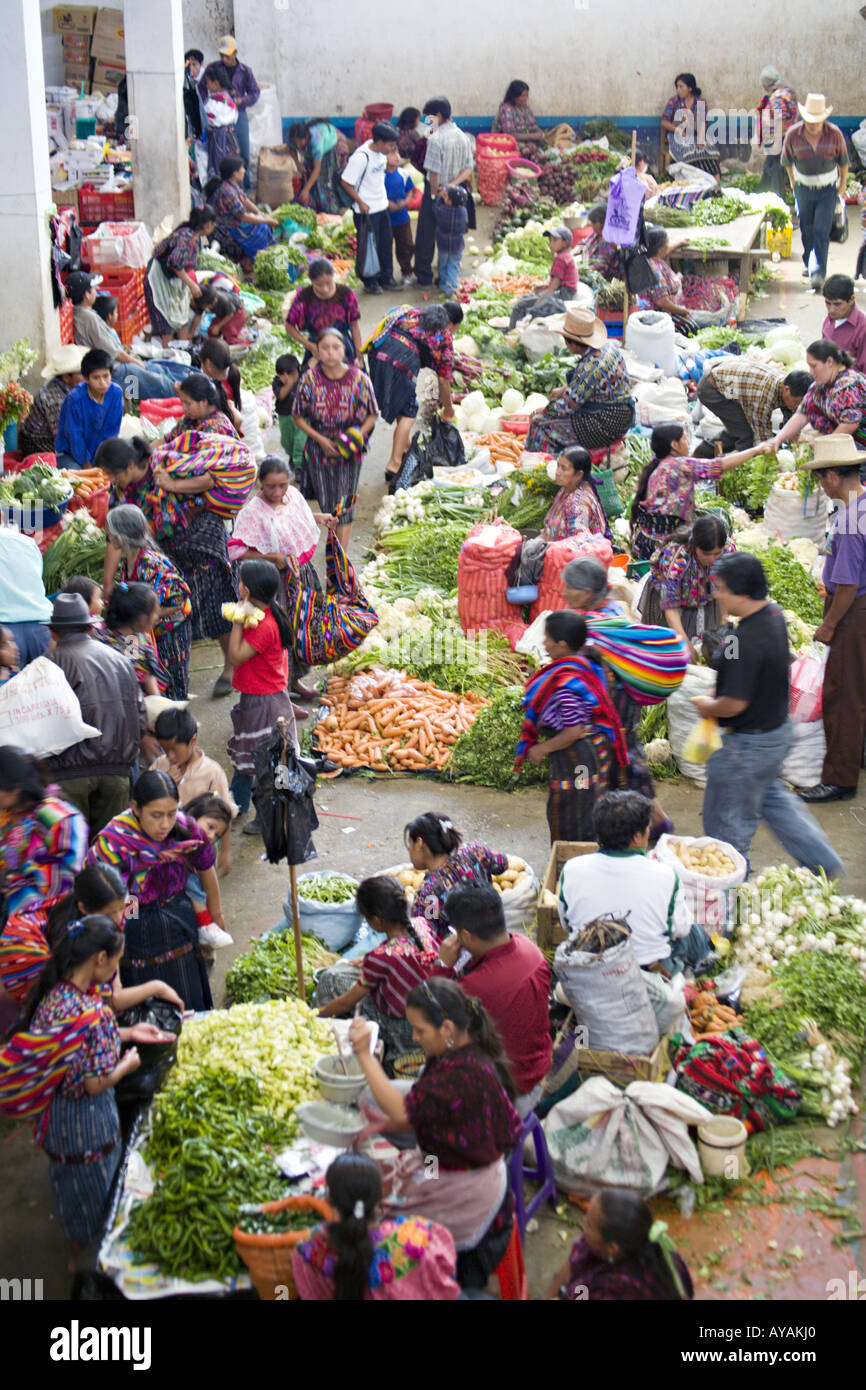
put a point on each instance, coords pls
(585, 327)
(63, 360)
(832, 450)
(815, 109)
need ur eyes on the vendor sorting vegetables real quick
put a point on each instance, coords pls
(405, 341)
(689, 299)
(596, 408)
(571, 720)
(242, 231)
(664, 499)
(744, 394)
(835, 403)
(679, 592)
(437, 848)
(560, 286)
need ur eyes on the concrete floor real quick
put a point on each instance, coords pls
(361, 833)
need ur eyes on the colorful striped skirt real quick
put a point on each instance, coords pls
(84, 1149)
(334, 485)
(578, 775)
(592, 429)
(173, 648)
(162, 944)
(201, 554)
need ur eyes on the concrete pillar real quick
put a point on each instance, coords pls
(25, 189)
(153, 36)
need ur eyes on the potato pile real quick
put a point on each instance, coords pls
(411, 879)
(708, 859)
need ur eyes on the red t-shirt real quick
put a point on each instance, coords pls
(565, 269)
(267, 672)
(397, 966)
(513, 984)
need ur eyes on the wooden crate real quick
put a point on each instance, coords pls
(624, 1067)
(550, 931)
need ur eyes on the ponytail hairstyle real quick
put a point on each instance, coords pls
(198, 388)
(115, 455)
(355, 1189)
(626, 1221)
(663, 436)
(825, 350)
(436, 831)
(94, 889)
(263, 581)
(439, 1000)
(73, 945)
(690, 81)
(129, 602)
(384, 897)
(153, 786)
(19, 772)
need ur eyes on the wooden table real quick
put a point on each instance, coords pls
(741, 234)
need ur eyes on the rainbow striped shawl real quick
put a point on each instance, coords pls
(649, 661)
(32, 1066)
(579, 676)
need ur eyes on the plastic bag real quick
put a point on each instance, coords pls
(608, 496)
(283, 797)
(667, 997)
(682, 717)
(334, 924)
(445, 446)
(156, 1058)
(39, 711)
(839, 229)
(804, 762)
(250, 429)
(609, 997)
(368, 256)
(805, 700)
(711, 900)
(703, 741)
(416, 466)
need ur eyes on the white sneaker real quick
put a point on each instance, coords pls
(408, 280)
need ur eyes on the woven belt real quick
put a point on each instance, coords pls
(817, 180)
(570, 786)
(161, 960)
(90, 1156)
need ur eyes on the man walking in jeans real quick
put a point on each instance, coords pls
(364, 181)
(815, 158)
(751, 705)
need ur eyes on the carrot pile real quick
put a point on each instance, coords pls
(708, 1017)
(385, 721)
(514, 284)
(86, 481)
(504, 447)
(341, 266)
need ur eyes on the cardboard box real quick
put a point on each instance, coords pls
(75, 19)
(550, 931)
(76, 73)
(107, 78)
(110, 51)
(109, 24)
(76, 47)
(66, 198)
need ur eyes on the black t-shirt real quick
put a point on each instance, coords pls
(753, 666)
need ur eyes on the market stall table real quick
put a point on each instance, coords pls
(741, 235)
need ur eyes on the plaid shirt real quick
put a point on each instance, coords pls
(797, 153)
(758, 389)
(449, 152)
(38, 431)
(451, 223)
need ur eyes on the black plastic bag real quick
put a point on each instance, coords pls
(445, 447)
(416, 466)
(839, 229)
(283, 798)
(157, 1059)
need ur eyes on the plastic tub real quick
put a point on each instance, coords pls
(324, 1123)
(378, 111)
(515, 424)
(523, 170)
(333, 1082)
(722, 1147)
(524, 593)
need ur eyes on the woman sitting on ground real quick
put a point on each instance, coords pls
(679, 593)
(596, 408)
(461, 1111)
(437, 848)
(664, 500)
(241, 229)
(362, 1256)
(622, 1256)
(575, 510)
(379, 983)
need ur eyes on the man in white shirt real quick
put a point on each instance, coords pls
(620, 881)
(363, 179)
(448, 161)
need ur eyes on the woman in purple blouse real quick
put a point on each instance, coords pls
(154, 848)
(622, 1256)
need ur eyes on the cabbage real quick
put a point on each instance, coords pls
(786, 351)
(467, 345)
(512, 401)
(490, 423)
(535, 401)
(777, 335)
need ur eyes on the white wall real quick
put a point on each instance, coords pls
(205, 22)
(608, 57)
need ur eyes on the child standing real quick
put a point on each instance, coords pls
(260, 657)
(213, 816)
(398, 187)
(284, 385)
(194, 774)
(452, 219)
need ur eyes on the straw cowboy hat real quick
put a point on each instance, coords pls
(63, 360)
(833, 451)
(585, 327)
(816, 109)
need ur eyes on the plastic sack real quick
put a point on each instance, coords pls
(805, 759)
(328, 626)
(334, 924)
(39, 711)
(156, 1058)
(368, 256)
(805, 700)
(839, 229)
(661, 402)
(482, 566)
(250, 429)
(445, 446)
(519, 904)
(557, 556)
(711, 901)
(703, 741)
(541, 337)
(682, 717)
(416, 466)
(788, 515)
(668, 999)
(605, 1137)
(609, 997)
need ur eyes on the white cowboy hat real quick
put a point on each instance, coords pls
(830, 450)
(585, 326)
(62, 360)
(815, 109)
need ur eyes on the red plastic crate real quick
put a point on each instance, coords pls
(99, 207)
(127, 287)
(66, 335)
(136, 322)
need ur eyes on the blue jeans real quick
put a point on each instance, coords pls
(743, 788)
(449, 271)
(242, 131)
(156, 382)
(242, 791)
(815, 209)
(689, 950)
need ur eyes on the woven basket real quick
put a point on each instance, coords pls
(269, 1257)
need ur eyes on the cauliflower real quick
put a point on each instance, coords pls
(657, 751)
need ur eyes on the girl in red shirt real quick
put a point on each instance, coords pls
(260, 656)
